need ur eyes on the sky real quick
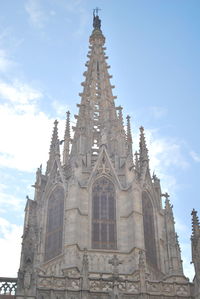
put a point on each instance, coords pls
(153, 48)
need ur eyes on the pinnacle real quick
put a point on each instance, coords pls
(143, 147)
(54, 147)
(54, 135)
(67, 139)
(195, 223)
(129, 135)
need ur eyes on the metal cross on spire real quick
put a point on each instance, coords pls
(96, 11)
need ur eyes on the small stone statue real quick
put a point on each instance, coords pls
(96, 20)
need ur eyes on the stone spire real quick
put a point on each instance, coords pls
(54, 147)
(195, 225)
(97, 120)
(67, 139)
(129, 137)
(121, 120)
(172, 243)
(143, 148)
(143, 155)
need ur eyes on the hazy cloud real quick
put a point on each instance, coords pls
(195, 156)
(18, 92)
(10, 235)
(5, 62)
(37, 16)
(158, 112)
(165, 155)
(59, 109)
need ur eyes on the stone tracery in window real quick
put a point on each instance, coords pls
(54, 226)
(149, 229)
(104, 214)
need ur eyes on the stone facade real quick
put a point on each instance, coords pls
(96, 227)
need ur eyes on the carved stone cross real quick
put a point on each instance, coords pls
(166, 195)
(103, 169)
(115, 262)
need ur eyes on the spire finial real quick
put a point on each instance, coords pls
(96, 19)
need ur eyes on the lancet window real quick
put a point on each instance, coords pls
(104, 214)
(54, 226)
(149, 229)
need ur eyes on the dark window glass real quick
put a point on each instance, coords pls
(103, 215)
(149, 230)
(54, 228)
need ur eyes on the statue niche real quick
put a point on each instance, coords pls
(54, 226)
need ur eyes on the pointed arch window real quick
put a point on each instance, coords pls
(149, 229)
(54, 226)
(104, 215)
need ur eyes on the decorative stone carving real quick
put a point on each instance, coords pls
(107, 286)
(44, 282)
(95, 285)
(59, 283)
(182, 291)
(115, 262)
(74, 284)
(132, 287)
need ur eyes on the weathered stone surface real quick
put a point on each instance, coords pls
(105, 233)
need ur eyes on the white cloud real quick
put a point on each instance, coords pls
(26, 138)
(35, 12)
(59, 108)
(158, 112)
(187, 266)
(26, 133)
(11, 201)
(195, 156)
(18, 92)
(165, 156)
(10, 235)
(5, 62)
(77, 7)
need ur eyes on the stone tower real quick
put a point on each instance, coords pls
(96, 227)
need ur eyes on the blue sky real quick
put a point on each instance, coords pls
(153, 48)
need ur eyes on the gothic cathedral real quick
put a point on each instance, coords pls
(96, 228)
